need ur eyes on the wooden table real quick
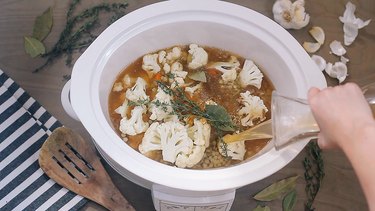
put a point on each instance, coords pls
(340, 189)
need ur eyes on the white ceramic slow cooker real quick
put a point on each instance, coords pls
(209, 23)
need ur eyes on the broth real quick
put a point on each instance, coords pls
(213, 90)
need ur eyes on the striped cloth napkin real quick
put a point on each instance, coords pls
(24, 126)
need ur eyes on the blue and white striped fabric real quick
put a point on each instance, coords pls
(24, 126)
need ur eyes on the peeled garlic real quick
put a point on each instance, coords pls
(290, 15)
(318, 34)
(319, 61)
(338, 70)
(351, 24)
(311, 47)
(337, 48)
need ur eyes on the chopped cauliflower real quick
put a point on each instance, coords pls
(250, 75)
(189, 160)
(290, 15)
(235, 150)
(117, 87)
(150, 63)
(123, 109)
(160, 107)
(199, 56)
(151, 140)
(174, 140)
(174, 54)
(192, 89)
(135, 125)
(161, 57)
(179, 74)
(200, 132)
(253, 109)
(229, 69)
(138, 91)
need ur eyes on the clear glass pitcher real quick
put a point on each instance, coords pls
(292, 119)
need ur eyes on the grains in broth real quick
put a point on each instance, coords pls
(213, 90)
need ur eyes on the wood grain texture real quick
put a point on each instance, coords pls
(340, 189)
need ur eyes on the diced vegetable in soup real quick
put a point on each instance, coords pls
(176, 104)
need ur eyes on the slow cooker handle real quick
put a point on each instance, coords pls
(65, 101)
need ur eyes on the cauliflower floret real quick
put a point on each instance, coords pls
(150, 63)
(189, 160)
(235, 150)
(135, 125)
(151, 140)
(117, 87)
(178, 73)
(123, 109)
(192, 89)
(174, 54)
(250, 75)
(199, 56)
(229, 69)
(174, 140)
(253, 109)
(200, 132)
(160, 107)
(161, 57)
(138, 91)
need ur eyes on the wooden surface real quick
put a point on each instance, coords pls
(340, 189)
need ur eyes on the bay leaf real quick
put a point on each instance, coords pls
(277, 189)
(260, 208)
(43, 25)
(33, 47)
(289, 201)
(220, 116)
(198, 76)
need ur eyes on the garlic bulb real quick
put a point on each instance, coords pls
(290, 15)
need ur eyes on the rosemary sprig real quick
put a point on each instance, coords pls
(78, 32)
(314, 173)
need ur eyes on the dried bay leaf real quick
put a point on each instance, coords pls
(43, 25)
(260, 208)
(277, 189)
(198, 76)
(33, 47)
(289, 201)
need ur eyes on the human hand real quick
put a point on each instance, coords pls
(341, 113)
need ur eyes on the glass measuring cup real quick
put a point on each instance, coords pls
(291, 121)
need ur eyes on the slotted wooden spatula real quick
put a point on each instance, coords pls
(72, 162)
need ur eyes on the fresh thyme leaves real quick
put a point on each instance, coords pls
(216, 115)
(138, 102)
(78, 33)
(314, 173)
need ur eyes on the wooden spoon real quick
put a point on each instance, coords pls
(72, 162)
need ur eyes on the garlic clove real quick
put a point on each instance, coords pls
(318, 34)
(344, 59)
(337, 48)
(319, 61)
(339, 70)
(311, 47)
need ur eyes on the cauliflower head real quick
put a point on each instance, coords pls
(235, 150)
(250, 75)
(229, 69)
(150, 63)
(138, 91)
(135, 125)
(199, 56)
(253, 109)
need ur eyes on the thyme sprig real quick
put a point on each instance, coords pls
(314, 173)
(184, 107)
(78, 33)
